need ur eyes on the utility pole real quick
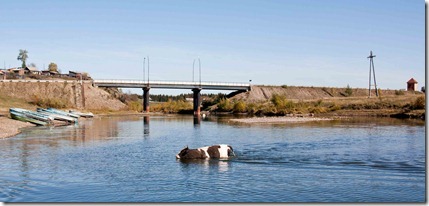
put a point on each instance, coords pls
(148, 71)
(144, 63)
(371, 66)
(193, 69)
(199, 63)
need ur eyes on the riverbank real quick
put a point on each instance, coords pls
(10, 127)
(285, 119)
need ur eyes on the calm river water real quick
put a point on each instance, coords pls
(132, 159)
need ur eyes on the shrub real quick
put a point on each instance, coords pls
(225, 105)
(318, 103)
(239, 107)
(348, 92)
(279, 101)
(317, 110)
(48, 102)
(252, 108)
(419, 103)
(171, 106)
(399, 92)
(135, 106)
(334, 107)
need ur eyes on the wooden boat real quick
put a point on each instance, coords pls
(56, 111)
(86, 115)
(30, 116)
(56, 116)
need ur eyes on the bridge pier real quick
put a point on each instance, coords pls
(146, 99)
(197, 101)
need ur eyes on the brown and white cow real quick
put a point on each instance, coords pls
(220, 151)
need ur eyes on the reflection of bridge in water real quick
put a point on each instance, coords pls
(146, 123)
(196, 88)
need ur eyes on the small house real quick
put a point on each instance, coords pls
(31, 70)
(2, 74)
(412, 85)
(75, 74)
(17, 71)
(45, 73)
(79, 75)
(49, 73)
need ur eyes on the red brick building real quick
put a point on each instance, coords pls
(412, 85)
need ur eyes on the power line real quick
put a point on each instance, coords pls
(371, 66)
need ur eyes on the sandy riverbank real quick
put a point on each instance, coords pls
(262, 120)
(10, 127)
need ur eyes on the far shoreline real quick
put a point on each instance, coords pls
(11, 127)
(280, 119)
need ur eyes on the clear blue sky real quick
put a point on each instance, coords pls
(275, 42)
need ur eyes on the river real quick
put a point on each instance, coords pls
(132, 159)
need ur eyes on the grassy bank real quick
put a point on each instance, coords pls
(400, 105)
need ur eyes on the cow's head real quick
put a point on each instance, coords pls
(183, 152)
(230, 152)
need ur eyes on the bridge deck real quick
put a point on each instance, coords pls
(172, 84)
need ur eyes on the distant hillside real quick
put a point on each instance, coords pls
(263, 93)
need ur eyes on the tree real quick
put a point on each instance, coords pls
(22, 56)
(53, 67)
(348, 91)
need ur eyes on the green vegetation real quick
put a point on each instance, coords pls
(348, 92)
(170, 106)
(225, 105)
(23, 56)
(135, 106)
(48, 102)
(239, 107)
(53, 67)
(279, 105)
(8, 102)
(419, 103)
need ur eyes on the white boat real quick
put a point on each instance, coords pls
(56, 116)
(82, 114)
(56, 111)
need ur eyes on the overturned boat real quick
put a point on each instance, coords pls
(56, 111)
(57, 116)
(30, 116)
(82, 114)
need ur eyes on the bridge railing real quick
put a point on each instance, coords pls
(208, 83)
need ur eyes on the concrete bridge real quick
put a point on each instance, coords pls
(196, 87)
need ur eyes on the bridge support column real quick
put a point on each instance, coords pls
(146, 99)
(197, 101)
